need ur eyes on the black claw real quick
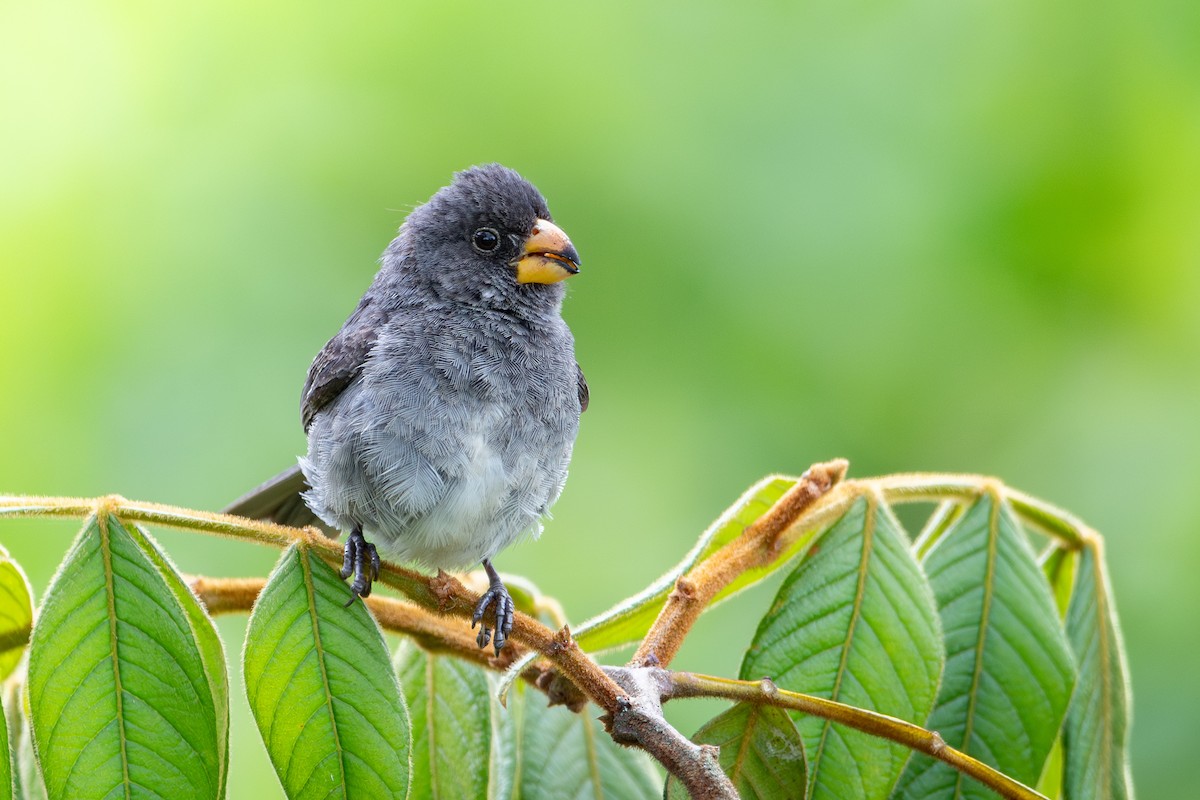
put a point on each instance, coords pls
(361, 559)
(498, 597)
(348, 557)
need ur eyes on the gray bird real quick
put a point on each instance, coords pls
(441, 417)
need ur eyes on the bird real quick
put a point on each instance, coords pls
(441, 417)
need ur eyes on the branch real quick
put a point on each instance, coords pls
(232, 595)
(631, 697)
(441, 594)
(640, 722)
(686, 684)
(918, 487)
(759, 545)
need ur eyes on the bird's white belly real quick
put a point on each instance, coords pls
(445, 502)
(456, 531)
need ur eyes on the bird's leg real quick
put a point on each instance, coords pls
(498, 597)
(361, 559)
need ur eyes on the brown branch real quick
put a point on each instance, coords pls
(441, 594)
(631, 697)
(639, 722)
(757, 546)
(685, 684)
(225, 595)
(231, 595)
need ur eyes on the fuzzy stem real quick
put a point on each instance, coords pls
(759, 545)
(686, 684)
(441, 594)
(232, 595)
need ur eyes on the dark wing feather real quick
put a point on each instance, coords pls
(279, 500)
(342, 359)
(581, 384)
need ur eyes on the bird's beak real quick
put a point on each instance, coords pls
(549, 255)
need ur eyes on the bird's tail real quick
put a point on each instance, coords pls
(279, 500)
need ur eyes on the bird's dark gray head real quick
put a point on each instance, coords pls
(486, 240)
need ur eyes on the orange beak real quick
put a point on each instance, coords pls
(549, 255)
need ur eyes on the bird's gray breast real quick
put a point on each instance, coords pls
(454, 439)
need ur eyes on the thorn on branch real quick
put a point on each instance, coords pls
(685, 590)
(562, 641)
(445, 588)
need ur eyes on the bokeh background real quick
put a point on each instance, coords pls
(920, 235)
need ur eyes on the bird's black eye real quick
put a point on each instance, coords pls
(485, 240)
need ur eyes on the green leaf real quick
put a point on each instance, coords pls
(561, 754)
(1096, 736)
(451, 711)
(1008, 674)
(119, 692)
(6, 763)
(855, 622)
(321, 687)
(761, 752)
(212, 654)
(1051, 781)
(16, 613)
(629, 621)
(27, 778)
(1058, 565)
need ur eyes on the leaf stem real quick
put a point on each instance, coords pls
(928, 487)
(234, 595)
(687, 684)
(761, 543)
(442, 594)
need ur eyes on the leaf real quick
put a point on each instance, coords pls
(120, 697)
(629, 621)
(561, 754)
(451, 712)
(854, 622)
(1096, 736)
(1008, 674)
(16, 613)
(6, 763)
(27, 779)
(212, 654)
(761, 752)
(321, 687)
(1058, 565)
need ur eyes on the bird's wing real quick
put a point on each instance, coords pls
(342, 359)
(581, 385)
(279, 500)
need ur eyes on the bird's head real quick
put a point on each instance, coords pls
(487, 239)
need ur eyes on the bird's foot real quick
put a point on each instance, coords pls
(360, 559)
(498, 597)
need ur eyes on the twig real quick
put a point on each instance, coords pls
(631, 697)
(917, 487)
(231, 595)
(640, 722)
(757, 546)
(686, 684)
(442, 594)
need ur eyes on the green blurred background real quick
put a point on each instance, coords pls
(923, 236)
